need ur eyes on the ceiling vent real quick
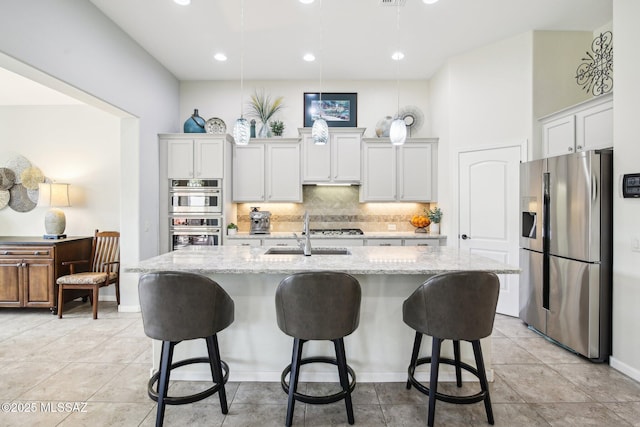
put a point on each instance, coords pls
(393, 2)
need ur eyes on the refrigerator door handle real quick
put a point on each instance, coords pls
(594, 188)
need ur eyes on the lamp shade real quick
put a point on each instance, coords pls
(54, 195)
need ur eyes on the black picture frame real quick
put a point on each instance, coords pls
(339, 109)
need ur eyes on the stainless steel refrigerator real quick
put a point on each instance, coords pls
(566, 250)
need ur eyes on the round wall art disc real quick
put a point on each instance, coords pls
(4, 198)
(20, 201)
(7, 178)
(18, 164)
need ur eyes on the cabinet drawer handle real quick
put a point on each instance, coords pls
(245, 244)
(423, 244)
(385, 244)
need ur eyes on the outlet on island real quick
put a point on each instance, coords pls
(391, 227)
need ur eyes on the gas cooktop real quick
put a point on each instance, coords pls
(336, 231)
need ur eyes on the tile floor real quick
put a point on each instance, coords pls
(46, 362)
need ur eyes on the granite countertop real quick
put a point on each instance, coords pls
(421, 260)
(366, 235)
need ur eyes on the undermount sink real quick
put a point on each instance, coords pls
(314, 251)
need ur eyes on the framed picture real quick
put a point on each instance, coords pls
(338, 109)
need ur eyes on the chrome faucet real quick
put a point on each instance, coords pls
(306, 245)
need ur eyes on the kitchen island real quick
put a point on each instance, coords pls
(255, 348)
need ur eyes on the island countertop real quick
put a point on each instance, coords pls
(388, 260)
(257, 350)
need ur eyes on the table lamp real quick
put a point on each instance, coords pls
(54, 195)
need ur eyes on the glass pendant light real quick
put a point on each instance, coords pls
(320, 129)
(242, 128)
(398, 129)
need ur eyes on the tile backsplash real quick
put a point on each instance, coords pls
(334, 207)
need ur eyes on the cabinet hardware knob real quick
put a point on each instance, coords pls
(465, 237)
(579, 147)
(570, 149)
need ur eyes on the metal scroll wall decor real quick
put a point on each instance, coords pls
(595, 73)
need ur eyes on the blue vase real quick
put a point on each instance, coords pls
(194, 124)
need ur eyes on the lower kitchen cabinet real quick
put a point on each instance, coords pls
(243, 242)
(421, 242)
(383, 242)
(29, 267)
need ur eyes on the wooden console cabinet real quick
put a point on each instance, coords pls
(29, 267)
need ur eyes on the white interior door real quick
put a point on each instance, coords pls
(488, 212)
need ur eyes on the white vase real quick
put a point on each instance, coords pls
(231, 231)
(434, 228)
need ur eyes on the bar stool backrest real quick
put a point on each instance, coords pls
(457, 306)
(180, 306)
(318, 305)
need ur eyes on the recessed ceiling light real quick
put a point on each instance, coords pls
(429, 1)
(309, 57)
(220, 57)
(182, 2)
(397, 56)
(307, 1)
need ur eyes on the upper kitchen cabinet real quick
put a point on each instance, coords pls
(405, 173)
(338, 161)
(266, 171)
(582, 127)
(194, 157)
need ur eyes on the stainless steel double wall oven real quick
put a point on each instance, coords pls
(195, 213)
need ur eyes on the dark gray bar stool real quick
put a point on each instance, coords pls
(454, 306)
(318, 306)
(179, 306)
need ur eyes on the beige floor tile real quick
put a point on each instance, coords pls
(579, 415)
(32, 414)
(547, 351)
(128, 385)
(538, 383)
(628, 411)
(100, 414)
(507, 351)
(16, 378)
(75, 382)
(601, 382)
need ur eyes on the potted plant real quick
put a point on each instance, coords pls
(232, 229)
(262, 107)
(435, 216)
(277, 127)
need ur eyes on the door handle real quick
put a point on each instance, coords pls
(465, 237)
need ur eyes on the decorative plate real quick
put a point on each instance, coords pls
(215, 125)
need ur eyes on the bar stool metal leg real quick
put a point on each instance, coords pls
(414, 357)
(163, 383)
(456, 357)
(482, 375)
(296, 357)
(433, 380)
(216, 370)
(344, 379)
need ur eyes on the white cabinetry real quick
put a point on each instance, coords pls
(195, 158)
(383, 242)
(582, 127)
(338, 161)
(405, 173)
(267, 172)
(421, 242)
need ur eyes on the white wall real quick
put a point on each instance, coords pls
(73, 42)
(481, 98)
(626, 276)
(376, 99)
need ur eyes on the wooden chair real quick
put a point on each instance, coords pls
(103, 270)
